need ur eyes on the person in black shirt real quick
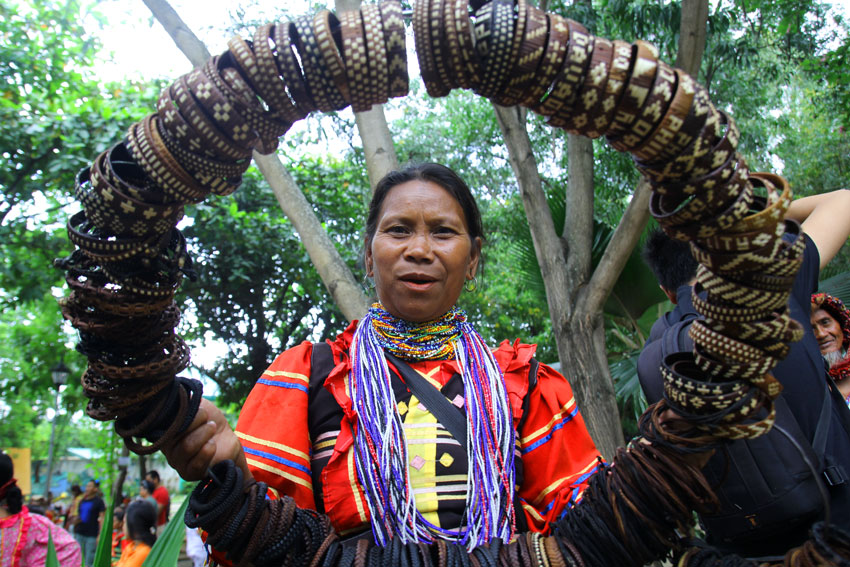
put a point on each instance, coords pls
(825, 219)
(89, 517)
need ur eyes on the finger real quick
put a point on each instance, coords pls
(192, 446)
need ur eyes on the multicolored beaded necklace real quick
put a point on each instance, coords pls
(381, 456)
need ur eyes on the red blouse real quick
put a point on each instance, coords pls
(555, 454)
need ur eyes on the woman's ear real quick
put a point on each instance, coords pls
(367, 259)
(475, 257)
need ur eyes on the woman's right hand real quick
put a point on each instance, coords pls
(208, 440)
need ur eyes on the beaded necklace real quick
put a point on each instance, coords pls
(381, 447)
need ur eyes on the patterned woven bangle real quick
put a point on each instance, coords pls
(529, 58)
(742, 242)
(438, 44)
(107, 248)
(377, 54)
(494, 40)
(778, 203)
(650, 115)
(565, 87)
(700, 205)
(736, 262)
(424, 54)
(272, 88)
(261, 76)
(326, 26)
(267, 125)
(211, 137)
(465, 35)
(591, 94)
(641, 77)
(394, 39)
(456, 65)
(127, 215)
(290, 69)
(672, 122)
(614, 88)
(720, 222)
(319, 84)
(356, 61)
(553, 59)
(178, 127)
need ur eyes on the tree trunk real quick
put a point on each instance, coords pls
(122, 476)
(580, 339)
(340, 282)
(692, 32)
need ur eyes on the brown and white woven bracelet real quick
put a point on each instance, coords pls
(557, 41)
(564, 89)
(290, 69)
(327, 28)
(393, 25)
(618, 76)
(494, 41)
(529, 58)
(438, 43)
(356, 60)
(319, 84)
(591, 93)
(377, 54)
(271, 86)
(671, 124)
(651, 114)
(465, 35)
(641, 78)
(424, 54)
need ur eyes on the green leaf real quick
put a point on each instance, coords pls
(52, 559)
(103, 554)
(166, 550)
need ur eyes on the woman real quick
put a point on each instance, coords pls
(140, 529)
(24, 536)
(337, 429)
(146, 489)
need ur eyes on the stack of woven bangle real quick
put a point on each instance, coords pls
(130, 257)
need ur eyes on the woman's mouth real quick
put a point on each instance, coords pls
(418, 282)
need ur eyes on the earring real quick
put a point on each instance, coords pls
(368, 283)
(471, 285)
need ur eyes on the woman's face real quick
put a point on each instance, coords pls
(421, 253)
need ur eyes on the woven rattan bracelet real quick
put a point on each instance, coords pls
(212, 139)
(316, 75)
(641, 77)
(700, 205)
(650, 115)
(738, 261)
(553, 58)
(692, 125)
(422, 43)
(564, 89)
(264, 124)
(264, 75)
(393, 26)
(528, 60)
(671, 124)
(290, 69)
(222, 178)
(356, 60)
(614, 88)
(507, 94)
(676, 168)
(438, 44)
(720, 222)
(327, 28)
(494, 41)
(590, 95)
(471, 61)
(377, 54)
(456, 65)
(121, 171)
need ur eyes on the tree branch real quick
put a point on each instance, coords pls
(592, 297)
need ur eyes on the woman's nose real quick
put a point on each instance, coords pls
(419, 247)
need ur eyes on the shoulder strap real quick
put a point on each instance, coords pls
(321, 364)
(447, 414)
(534, 366)
(819, 440)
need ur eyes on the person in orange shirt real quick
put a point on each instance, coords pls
(140, 527)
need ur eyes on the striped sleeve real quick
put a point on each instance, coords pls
(273, 428)
(557, 452)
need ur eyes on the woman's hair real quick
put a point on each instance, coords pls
(140, 522)
(147, 485)
(13, 497)
(435, 173)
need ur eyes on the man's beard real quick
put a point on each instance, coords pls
(834, 357)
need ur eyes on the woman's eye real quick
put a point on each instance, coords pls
(397, 229)
(444, 231)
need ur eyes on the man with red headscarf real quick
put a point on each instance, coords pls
(831, 326)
